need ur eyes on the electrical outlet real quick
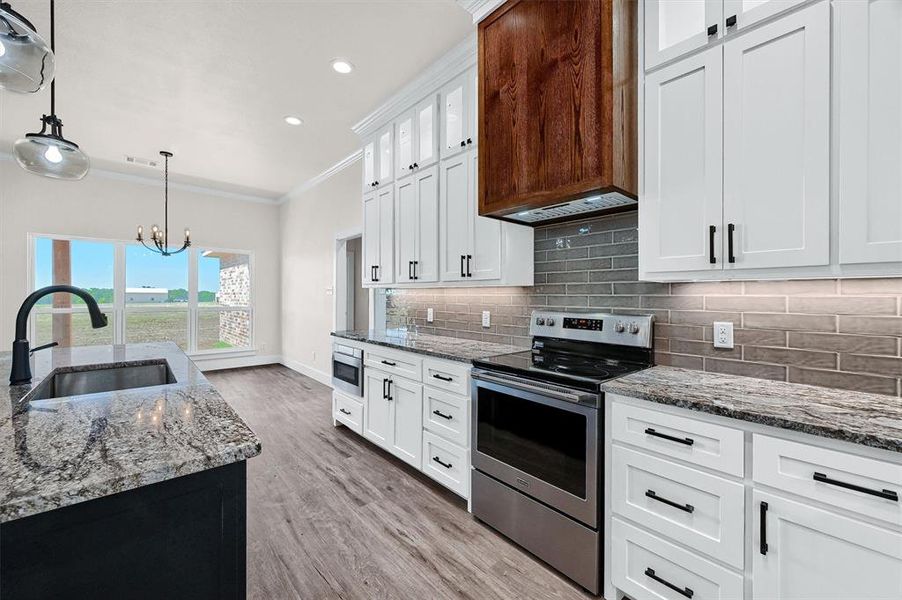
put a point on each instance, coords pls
(430, 315)
(723, 334)
(486, 318)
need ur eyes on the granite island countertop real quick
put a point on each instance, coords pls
(62, 451)
(861, 418)
(439, 346)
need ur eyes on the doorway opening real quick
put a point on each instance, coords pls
(353, 303)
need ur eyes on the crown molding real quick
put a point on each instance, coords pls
(452, 63)
(155, 181)
(480, 9)
(314, 181)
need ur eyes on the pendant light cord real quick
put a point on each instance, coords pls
(166, 202)
(52, 49)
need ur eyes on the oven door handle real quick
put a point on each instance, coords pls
(543, 390)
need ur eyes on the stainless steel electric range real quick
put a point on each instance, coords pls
(538, 435)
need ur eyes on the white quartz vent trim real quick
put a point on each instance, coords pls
(574, 207)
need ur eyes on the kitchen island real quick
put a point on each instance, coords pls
(136, 493)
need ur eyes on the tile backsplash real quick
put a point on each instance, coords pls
(838, 333)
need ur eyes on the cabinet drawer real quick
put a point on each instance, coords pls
(700, 510)
(348, 411)
(395, 363)
(447, 463)
(447, 376)
(447, 415)
(645, 566)
(863, 485)
(704, 444)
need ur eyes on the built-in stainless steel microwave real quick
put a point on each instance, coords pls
(347, 369)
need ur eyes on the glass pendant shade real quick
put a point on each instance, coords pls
(51, 155)
(27, 63)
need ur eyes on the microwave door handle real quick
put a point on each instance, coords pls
(549, 392)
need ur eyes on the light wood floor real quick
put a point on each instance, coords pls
(332, 516)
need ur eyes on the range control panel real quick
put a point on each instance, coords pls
(603, 328)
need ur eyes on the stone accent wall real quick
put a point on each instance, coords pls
(234, 290)
(837, 333)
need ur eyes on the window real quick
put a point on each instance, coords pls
(199, 299)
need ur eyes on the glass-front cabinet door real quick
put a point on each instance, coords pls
(404, 144)
(675, 27)
(369, 165)
(454, 116)
(385, 166)
(742, 13)
(426, 132)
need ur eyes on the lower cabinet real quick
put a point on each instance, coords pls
(348, 411)
(447, 463)
(377, 425)
(393, 417)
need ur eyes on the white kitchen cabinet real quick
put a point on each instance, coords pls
(675, 27)
(869, 71)
(406, 440)
(377, 419)
(809, 553)
(416, 221)
(458, 114)
(777, 142)
(681, 214)
(378, 232)
(739, 14)
(485, 234)
(405, 141)
(369, 166)
(385, 164)
(427, 132)
(455, 217)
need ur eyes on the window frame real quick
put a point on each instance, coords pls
(117, 310)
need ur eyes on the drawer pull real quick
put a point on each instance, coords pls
(684, 507)
(886, 494)
(389, 363)
(762, 535)
(442, 377)
(686, 441)
(649, 572)
(347, 412)
(442, 415)
(439, 461)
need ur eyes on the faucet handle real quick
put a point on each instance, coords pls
(44, 347)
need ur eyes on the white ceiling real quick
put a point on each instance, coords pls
(212, 80)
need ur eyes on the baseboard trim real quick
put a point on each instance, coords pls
(315, 374)
(218, 363)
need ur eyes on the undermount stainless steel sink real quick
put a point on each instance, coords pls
(102, 379)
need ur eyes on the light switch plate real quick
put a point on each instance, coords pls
(486, 318)
(430, 315)
(723, 334)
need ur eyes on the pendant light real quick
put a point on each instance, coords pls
(26, 61)
(160, 237)
(47, 152)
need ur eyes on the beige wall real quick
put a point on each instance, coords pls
(111, 208)
(310, 223)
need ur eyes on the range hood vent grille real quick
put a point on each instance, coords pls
(573, 209)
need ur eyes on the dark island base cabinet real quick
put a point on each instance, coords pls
(182, 538)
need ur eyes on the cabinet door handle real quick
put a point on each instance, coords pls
(409, 269)
(711, 231)
(442, 377)
(442, 415)
(712, 30)
(373, 273)
(469, 141)
(886, 494)
(686, 441)
(688, 593)
(416, 166)
(683, 507)
(462, 272)
(416, 264)
(389, 363)
(441, 462)
(463, 144)
(730, 256)
(375, 183)
(343, 411)
(469, 258)
(731, 21)
(763, 533)
(388, 395)
(385, 389)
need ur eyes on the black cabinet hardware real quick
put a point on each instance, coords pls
(686, 441)
(462, 259)
(731, 21)
(469, 258)
(730, 256)
(373, 273)
(463, 144)
(375, 183)
(469, 141)
(886, 494)
(649, 572)
(389, 363)
(712, 30)
(389, 396)
(341, 410)
(409, 269)
(416, 264)
(442, 415)
(684, 507)
(711, 231)
(376, 273)
(416, 166)
(442, 377)
(439, 461)
(410, 167)
(385, 389)
(763, 533)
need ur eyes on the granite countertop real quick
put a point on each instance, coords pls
(62, 451)
(440, 346)
(861, 418)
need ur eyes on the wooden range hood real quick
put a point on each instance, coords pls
(557, 109)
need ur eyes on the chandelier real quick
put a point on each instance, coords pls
(160, 237)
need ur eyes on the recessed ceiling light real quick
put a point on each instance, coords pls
(340, 65)
(292, 120)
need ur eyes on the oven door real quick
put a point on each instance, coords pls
(539, 439)
(347, 373)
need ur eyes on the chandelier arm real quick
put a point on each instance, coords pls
(143, 243)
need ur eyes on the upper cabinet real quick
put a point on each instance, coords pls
(378, 165)
(459, 114)
(416, 137)
(557, 103)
